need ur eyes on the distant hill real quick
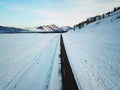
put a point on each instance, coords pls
(97, 18)
(46, 28)
(49, 28)
(5, 29)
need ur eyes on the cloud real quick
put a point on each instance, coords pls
(79, 11)
(47, 13)
(46, 16)
(60, 12)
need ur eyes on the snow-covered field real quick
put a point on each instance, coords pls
(94, 54)
(31, 61)
(27, 61)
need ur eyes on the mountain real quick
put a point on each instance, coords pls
(5, 29)
(66, 28)
(49, 28)
(46, 28)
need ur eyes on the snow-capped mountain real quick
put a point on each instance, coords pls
(49, 28)
(45, 28)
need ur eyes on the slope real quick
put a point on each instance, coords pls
(94, 54)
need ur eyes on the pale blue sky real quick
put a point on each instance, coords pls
(28, 13)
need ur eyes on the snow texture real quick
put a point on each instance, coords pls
(94, 54)
(31, 61)
(27, 61)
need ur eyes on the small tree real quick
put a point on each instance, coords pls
(103, 16)
(74, 28)
(87, 22)
(115, 9)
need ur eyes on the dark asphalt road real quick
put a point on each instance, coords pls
(68, 80)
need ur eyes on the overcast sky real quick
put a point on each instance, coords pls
(28, 13)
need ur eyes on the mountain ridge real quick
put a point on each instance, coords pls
(39, 29)
(49, 28)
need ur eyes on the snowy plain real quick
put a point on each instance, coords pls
(27, 61)
(94, 54)
(31, 61)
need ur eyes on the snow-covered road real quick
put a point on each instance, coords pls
(27, 60)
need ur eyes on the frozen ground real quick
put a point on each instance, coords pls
(27, 61)
(94, 54)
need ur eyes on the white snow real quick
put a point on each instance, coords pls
(31, 61)
(94, 54)
(27, 60)
(55, 78)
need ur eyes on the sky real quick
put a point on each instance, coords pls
(29, 13)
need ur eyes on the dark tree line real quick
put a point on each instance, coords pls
(95, 18)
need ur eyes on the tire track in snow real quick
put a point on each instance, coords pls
(13, 83)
